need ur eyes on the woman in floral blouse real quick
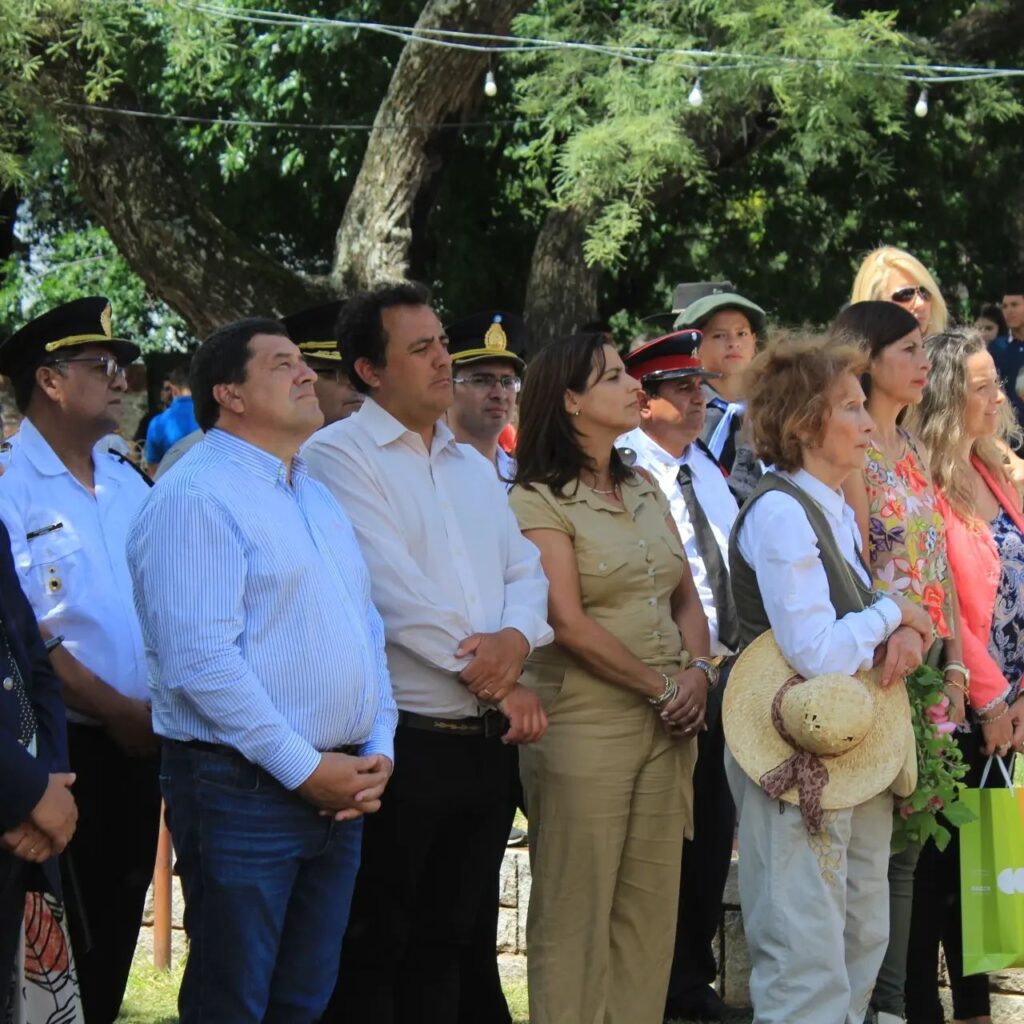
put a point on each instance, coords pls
(904, 536)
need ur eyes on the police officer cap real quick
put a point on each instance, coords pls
(313, 330)
(488, 335)
(58, 332)
(668, 358)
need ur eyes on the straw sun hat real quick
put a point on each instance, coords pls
(851, 739)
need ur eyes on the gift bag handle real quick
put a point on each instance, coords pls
(1007, 775)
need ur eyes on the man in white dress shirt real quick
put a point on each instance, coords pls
(486, 350)
(464, 600)
(67, 502)
(667, 444)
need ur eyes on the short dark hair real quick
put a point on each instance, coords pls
(360, 328)
(222, 359)
(548, 449)
(178, 377)
(23, 384)
(992, 311)
(1014, 286)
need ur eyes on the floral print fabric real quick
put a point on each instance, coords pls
(1007, 643)
(906, 534)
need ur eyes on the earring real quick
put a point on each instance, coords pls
(576, 413)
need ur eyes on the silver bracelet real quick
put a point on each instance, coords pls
(667, 695)
(887, 630)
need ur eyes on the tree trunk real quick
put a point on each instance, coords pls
(561, 293)
(402, 159)
(139, 191)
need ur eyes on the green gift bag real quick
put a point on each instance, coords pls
(992, 876)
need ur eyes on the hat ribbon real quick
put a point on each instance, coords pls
(801, 769)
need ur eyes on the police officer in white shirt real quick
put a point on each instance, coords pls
(667, 444)
(486, 350)
(67, 502)
(464, 600)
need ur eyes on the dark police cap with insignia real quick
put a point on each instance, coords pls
(490, 335)
(52, 336)
(313, 331)
(667, 358)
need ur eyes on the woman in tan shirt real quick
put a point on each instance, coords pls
(609, 787)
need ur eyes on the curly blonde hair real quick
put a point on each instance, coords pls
(939, 420)
(789, 388)
(875, 268)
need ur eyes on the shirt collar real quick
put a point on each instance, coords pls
(831, 501)
(38, 451)
(632, 491)
(265, 465)
(385, 429)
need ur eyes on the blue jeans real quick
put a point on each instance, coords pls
(267, 884)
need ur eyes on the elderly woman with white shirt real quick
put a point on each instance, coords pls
(814, 894)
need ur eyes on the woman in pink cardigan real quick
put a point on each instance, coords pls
(960, 421)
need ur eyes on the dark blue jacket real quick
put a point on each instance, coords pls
(23, 778)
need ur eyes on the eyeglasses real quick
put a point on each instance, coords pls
(486, 381)
(905, 295)
(110, 364)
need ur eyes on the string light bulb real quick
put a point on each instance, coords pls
(921, 106)
(490, 85)
(696, 97)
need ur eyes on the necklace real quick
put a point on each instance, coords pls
(596, 491)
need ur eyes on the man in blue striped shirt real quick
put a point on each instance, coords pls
(270, 687)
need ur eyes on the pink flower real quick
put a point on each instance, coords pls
(945, 728)
(935, 803)
(937, 712)
(906, 811)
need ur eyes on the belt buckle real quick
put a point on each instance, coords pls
(445, 725)
(494, 723)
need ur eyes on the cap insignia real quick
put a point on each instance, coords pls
(495, 339)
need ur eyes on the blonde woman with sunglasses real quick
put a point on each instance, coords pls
(892, 275)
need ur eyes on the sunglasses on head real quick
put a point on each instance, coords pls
(905, 295)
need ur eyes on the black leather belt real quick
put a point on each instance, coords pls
(226, 751)
(490, 724)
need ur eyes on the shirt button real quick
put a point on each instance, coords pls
(650, 572)
(602, 566)
(8, 683)
(652, 601)
(643, 543)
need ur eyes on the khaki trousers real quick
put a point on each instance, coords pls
(609, 798)
(815, 908)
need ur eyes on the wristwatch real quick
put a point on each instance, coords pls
(708, 667)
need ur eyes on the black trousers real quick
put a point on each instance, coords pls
(431, 858)
(936, 918)
(14, 875)
(705, 864)
(111, 864)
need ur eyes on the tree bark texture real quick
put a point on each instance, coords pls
(135, 186)
(561, 293)
(403, 158)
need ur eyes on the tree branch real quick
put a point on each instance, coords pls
(138, 189)
(401, 165)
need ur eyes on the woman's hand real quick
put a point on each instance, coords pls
(997, 729)
(916, 618)
(684, 715)
(904, 651)
(1017, 718)
(954, 690)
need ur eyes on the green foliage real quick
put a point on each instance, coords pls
(69, 265)
(617, 131)
(940, 770)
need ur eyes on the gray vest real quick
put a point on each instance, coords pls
(846, 590)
